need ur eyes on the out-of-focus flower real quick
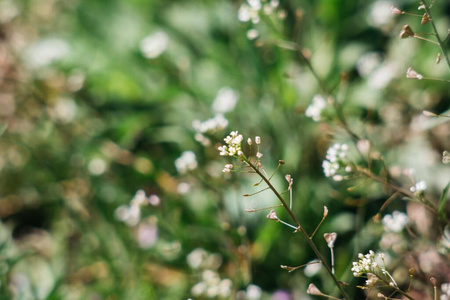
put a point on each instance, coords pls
(225, 100)
(212, 125)
(412, 74)
(420, 186)
(147, 234)
(314, 110)
(335, 161)
(186, 162)
(154, 45)
(250, 11)
(395, 222)
(45, 52)
(395, 10)
(252, 34)
(380, 13)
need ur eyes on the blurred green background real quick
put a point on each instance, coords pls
(102, 99)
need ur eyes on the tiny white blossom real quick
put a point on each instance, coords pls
(154, 45)
(395, 222)
(314, 110)
(257, 140)
(419, 187)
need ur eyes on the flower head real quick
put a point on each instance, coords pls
(233, 147)
(314, 110)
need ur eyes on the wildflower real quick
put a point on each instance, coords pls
(252, 34)
(227, 168)
(411, 73)
(314, 110)
(419, 187)
(366, 264)
(154, 45)
(249, 141)
(259, 155)
(233, 147)
(186, 162)
(250, 11)
(218, 122)
(446, 157)
(335, 161)
(225, 100)
(395, 222)
(257, 140)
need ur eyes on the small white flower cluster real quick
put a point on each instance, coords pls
(186, 162)
(233, 147)
(199, 258)
(335, 161)
(154, 45)
(253, 292)
(419, 187)
(314, 110)
(366, 264)
(212, 125)
(445, 291)
(227, 168)
(212, 286)
(395, 222)
(250, 12)
(131, 214)
(225, 100)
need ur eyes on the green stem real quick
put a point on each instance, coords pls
(441, 44)
(395, 288)
(299, 227)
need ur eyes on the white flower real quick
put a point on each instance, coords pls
(249, 13)
(419, 187)
(154, 45)
(257, 140)
(314, 110)
(395, 222)
(252, 34)
(186, 162)
(225, 100)
(233, 146)
(45, 52)
(335, 161)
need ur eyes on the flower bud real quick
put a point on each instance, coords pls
(395, 10)
(411, 73)
(249, 141)
(257, 140)
(433, 281)
(330, 238)
(313, 290)
(272, 215)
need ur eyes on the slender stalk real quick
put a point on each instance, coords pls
(440, 43)
(395, 288)
(299, 228)
(399, 189)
